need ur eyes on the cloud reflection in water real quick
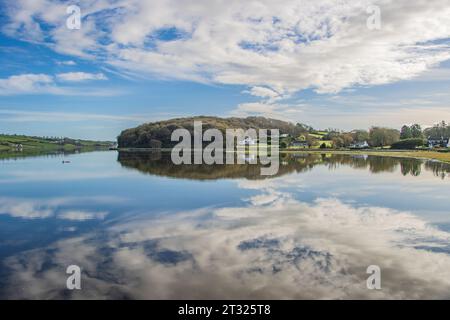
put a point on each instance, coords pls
(273, 247)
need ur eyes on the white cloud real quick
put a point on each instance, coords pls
(80, 215)
(67, 63)
(43, 116)
(285, 45)
(46, 208)
(282, 111)
(46, 84)
(352, 109)
(26, 83)
(25, 209)
(266, 93)
(80, 76)
(435, 74)
(280, 248)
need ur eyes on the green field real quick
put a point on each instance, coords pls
(25, 145)
(316, 135)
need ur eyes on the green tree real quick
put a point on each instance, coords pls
(416, 131)
(381, 137)
(360, 135)
(439, 130)
(405, 133)
(412, 143)
(338, 142)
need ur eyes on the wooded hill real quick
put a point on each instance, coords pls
(158, 134)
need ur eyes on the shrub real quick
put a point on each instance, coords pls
(408, 144)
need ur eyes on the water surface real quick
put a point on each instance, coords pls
(142, 228)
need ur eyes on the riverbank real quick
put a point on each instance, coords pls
(21, 143)
(419, 154)
(20, 146)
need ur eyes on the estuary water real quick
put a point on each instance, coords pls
(140, 227)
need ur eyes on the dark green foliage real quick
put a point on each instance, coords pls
(408, 144)
(305, 127)
(381, 137)
(408, 132)
(416, 131)
(149, 135)
(360, 135)
(438, 131)
(405, 133)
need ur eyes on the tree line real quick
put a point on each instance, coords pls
(158, 134)
(410, 135)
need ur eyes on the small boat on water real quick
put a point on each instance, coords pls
(65, 161)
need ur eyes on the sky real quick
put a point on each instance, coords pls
(327, 63)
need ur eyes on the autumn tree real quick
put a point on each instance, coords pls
(381, 137)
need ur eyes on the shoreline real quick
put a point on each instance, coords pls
(413, 154)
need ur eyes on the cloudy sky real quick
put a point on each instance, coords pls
(328, 63)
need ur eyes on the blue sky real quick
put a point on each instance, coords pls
(123, 67)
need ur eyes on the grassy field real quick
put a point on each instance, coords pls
(316, 135)
(328, 143)
(10, 143)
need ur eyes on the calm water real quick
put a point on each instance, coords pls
(140, 227)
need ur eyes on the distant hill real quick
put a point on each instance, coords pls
(158, 134)
(24, 143)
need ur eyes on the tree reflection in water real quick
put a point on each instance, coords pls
(159, 163)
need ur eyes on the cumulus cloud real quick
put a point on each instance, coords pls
(26, 83)
(46, 208)
(49, 84)
(263, 92)
(80, 76)
(80, 215)
(66, 63)
(25, 209)
(270, 108)
(285, 45)
(345, 110)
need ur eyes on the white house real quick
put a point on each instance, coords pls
(442, 142)
(300, 144)
(250, 158)
(359, 145)
(247, 141)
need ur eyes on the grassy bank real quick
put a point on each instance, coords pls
(23, 146)
(419, 154)
(12, 143)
